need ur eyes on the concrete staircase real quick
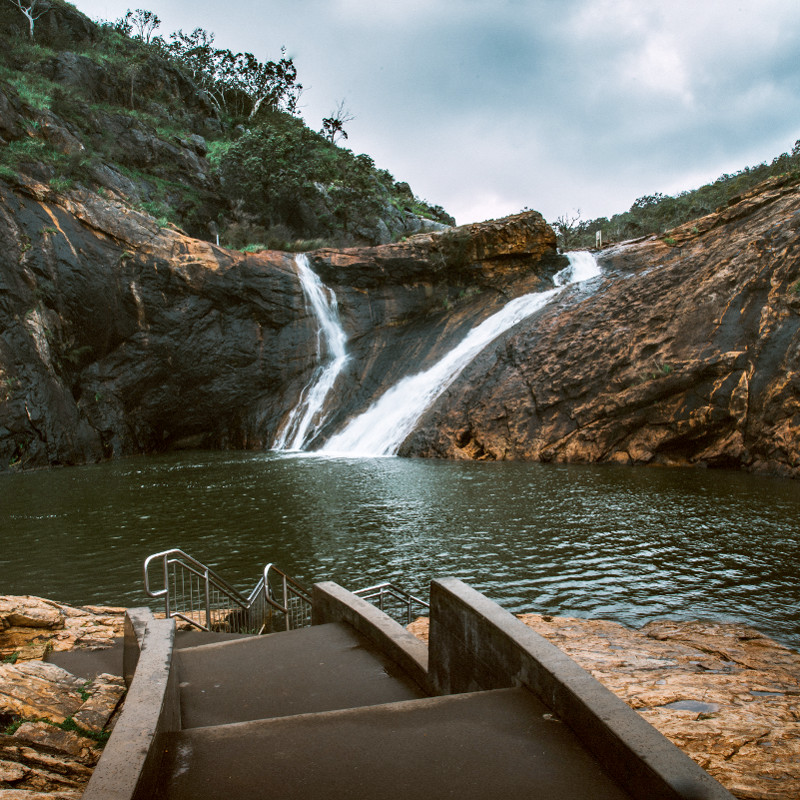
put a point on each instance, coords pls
(355, 707)
(328, 716)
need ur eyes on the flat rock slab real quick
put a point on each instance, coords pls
(502, 743)
(34, 689)
(30, 627)
(320, 668)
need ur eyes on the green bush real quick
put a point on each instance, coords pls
(658, 213)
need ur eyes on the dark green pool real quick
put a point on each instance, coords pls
(626, 544)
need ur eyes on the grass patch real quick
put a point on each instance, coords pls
(60, 184)
(34, 90)
(69, 724)
(660, 371)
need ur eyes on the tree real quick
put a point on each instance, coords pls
(32, 9)
(237, 83)
(333, 126)
(566, 226)
(196, 52)
(272, 83)
(142, 21)
(272, 168)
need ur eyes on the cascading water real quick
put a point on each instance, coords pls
(307, 416)
(383, 427)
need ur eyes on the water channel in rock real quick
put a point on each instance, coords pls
(631, 544)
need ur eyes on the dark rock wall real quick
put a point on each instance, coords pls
(118, 337)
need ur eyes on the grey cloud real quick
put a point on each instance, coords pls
(486, 106)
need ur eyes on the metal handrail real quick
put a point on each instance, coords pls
(209, 602)
(388, 589)
(296, 599)
(194, 593)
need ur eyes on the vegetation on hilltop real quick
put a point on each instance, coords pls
(195, 135)
(658, 213)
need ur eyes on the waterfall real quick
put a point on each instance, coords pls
(383, 427)
(306, 418)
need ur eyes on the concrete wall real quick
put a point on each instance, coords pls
(132, 757)
(332, 603)
(476, 645)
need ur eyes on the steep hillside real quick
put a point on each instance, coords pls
(87, 106)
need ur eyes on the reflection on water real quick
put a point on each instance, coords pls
(625, 544)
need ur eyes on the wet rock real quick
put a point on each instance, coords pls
(687, 353)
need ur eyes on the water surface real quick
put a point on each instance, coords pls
(614, 542)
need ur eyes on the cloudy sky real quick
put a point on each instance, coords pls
(489, 106)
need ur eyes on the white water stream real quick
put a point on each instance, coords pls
(383, 427)
(307, 416)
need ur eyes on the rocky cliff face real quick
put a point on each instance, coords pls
(118, 336)
(686, 352)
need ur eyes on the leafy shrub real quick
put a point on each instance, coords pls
(657, 213)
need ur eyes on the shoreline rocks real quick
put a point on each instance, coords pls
(52, 723)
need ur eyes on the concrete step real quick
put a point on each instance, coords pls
(196, 638)
(500, 743)
(89, 663)
(321, 668)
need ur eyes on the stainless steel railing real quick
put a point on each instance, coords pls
(392, 599)
(287, 597)
(194, 593)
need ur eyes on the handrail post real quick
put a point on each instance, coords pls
(166, 586)
(208, 601)
(286, 604)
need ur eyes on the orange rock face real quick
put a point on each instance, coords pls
(686, 353)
